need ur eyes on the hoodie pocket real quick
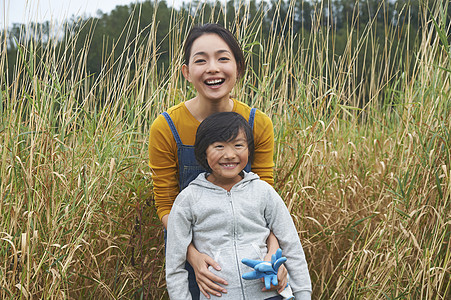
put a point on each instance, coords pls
(227, 259)
(232, 269)
(249, 251)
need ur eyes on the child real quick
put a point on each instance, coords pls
(228, 214)
(214, 61)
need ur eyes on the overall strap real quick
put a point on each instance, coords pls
(176, 134)
(173, 129)
(252, 117)
(251, 123)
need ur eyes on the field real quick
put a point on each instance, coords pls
(363, 162)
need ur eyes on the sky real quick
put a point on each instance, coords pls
(25, 11)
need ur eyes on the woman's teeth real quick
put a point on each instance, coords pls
(214, 82)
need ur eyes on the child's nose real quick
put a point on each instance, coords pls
(229, 152)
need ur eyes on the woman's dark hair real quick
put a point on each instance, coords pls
(223, 33)
(221, 127)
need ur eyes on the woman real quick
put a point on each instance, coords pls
(213, 63)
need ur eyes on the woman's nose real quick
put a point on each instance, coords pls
(212, 67)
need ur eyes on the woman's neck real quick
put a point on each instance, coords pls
(201, 109)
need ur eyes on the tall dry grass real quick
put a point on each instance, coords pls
(363, 163)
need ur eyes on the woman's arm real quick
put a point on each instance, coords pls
(263, 162)
(263, 165)
(164, 220)
(282, 275)
(163, 165)
(162, 160)
(200, 263)
(204, 278)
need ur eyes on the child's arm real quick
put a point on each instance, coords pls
(281, 224)
(177, 224)
(200, 263)
(179, 236)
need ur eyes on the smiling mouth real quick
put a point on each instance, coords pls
(214, 82)
(229, 165)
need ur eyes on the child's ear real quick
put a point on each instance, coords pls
(185, 72)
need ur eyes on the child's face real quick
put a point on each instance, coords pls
(212, 68)
(227, 160)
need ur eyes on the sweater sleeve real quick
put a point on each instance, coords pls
(179, 236)
(303, 295)
(263, 163)
(163, 165)
(280, 223)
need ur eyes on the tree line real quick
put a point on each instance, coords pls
(107, 34)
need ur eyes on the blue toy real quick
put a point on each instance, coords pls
(268, 271)
(265, 269)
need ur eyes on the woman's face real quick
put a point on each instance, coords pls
(212, 68)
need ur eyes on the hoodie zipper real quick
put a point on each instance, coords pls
(229, 196)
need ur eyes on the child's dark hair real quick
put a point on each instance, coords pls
(221, 127)
(223, 33)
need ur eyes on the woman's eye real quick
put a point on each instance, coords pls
(224, 58)
(197, 61)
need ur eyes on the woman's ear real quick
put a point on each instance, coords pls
(185, 72)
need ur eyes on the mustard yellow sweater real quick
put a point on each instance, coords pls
(163, 150)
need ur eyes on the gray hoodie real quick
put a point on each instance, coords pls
(230, 226)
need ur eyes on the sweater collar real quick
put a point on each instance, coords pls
(202, 181)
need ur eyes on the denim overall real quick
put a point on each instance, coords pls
(189, 169)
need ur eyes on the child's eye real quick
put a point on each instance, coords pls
(198, 61)
(224, 58)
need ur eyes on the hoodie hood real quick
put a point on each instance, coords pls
(202, 181)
